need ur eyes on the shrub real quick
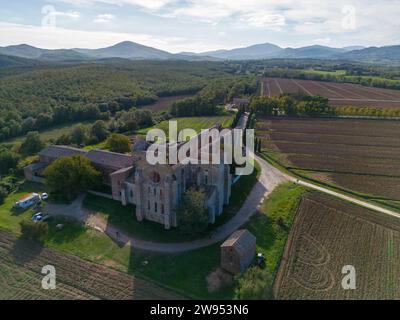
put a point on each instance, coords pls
(118, 143)
(254, 284)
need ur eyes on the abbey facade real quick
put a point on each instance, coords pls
(154, 190)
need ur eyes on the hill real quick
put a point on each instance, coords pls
(127, 50)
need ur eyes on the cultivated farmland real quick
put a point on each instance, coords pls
(21, 263)
(339, 94)
(329, 234)
(358, 155)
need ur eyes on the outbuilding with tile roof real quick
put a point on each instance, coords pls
(238, 251)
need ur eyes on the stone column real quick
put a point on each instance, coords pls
(123, 196)
(227, 184)
(167, 203)
(139, 196)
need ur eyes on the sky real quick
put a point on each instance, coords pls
(199, 25)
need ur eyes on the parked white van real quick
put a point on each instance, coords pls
(28, 201)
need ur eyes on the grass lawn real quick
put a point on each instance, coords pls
(195, 123)
(125, 218)
(46, 135)
(185, 273)
(100, 145)
(271, 236)
(9, 217)
(326, 72)
(239, 194)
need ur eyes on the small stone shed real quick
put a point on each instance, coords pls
(238, 251)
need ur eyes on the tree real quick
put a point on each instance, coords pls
(99, 130)
(287, 105)
(118, 143)
(69, 176)
(28, 124)
(64, 139)
(78, 134)
(34, 230)
(192, 215)
(264, 105)
(44, 120)
(32, 144)
(8, 160)
(254, 284)
(3, 194)
(113, 106)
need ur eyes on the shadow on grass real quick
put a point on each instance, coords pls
(18, 211)
(124, 218)
(184, 274)
(264, 228)
(71, 230)
(25, 250)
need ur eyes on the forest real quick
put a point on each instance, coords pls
(46, 96)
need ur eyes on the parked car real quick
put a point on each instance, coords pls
(260, 260)
(40, 217)
(44, 196)
(37, 217)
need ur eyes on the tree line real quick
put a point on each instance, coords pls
(313, 106)
(291, 105)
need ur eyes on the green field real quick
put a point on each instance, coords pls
(47, 135)
(342, 74)
(195, 123)
(10, 217)
(272, 225)
(324, 72)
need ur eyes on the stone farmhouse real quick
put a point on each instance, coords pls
(238, 251)
(155, 190)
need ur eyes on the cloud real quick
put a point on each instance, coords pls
(104, 18)
(68, 14)
(323, 41)
(267, 20)
(306, 17)
(147, 4)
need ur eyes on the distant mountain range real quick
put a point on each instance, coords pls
(132, 50)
